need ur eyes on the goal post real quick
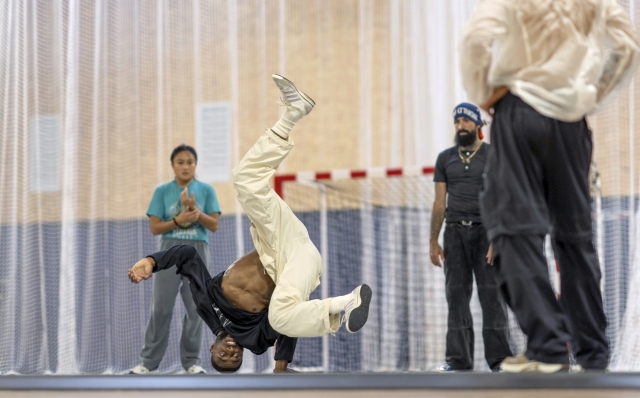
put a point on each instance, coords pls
(346, 174)
(373, 226)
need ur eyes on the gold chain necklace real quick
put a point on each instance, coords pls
(468, 158)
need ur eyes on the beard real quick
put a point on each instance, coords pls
(468, 139)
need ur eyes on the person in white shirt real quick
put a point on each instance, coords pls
(537, 64)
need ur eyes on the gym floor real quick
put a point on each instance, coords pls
(356, 385)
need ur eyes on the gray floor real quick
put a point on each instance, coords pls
(328, 385)
(423, 393)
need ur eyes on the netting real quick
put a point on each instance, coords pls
(374, 230)
(615, 146)
(87, 104)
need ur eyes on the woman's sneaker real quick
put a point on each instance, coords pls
(196, 370)
(446, 368)
(142, 370)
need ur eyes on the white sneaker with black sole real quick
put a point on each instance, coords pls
(293, 98)
(196, 370)
(356, 311)
(142, 370)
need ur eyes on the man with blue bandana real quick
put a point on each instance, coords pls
(458, 182)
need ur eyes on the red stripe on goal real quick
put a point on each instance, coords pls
(394, 172)
(279, 180)
(323, 175)
(428, 170)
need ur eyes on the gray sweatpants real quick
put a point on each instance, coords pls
(165, 290)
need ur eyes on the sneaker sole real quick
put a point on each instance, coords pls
(302, 95)
(552, 368)
(537, 367)
(359, 315)
(520, 368)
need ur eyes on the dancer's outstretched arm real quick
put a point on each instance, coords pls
(177, 255)
(190, 265)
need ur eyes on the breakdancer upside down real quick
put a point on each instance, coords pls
(263, 298)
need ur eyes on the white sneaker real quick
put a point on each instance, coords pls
(142, 370)
(445, 368)
(356, 311)
(293, 98)
(196, 370)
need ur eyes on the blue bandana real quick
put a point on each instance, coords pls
(469, 111)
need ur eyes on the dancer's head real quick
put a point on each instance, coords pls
(183, 161)
(226, 354)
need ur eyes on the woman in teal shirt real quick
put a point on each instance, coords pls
(181, 211)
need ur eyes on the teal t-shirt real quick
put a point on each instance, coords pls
(165, 204)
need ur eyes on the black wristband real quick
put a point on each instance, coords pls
(176, 222)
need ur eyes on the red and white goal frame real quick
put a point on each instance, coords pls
(346, 174)
(381, 172)
(335, 175)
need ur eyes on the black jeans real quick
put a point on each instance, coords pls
(465, 250)
(537, 182)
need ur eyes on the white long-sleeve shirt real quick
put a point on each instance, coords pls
(549, 53)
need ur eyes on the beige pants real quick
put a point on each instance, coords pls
(283, 243)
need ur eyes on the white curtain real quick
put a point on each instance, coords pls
(95, 94)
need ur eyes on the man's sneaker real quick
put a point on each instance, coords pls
(196, 370)
(522, 364)
(446, 368)
(357, 309)
(293, 98)
(142, 370)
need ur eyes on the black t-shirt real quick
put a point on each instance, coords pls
(250, 330)
(464, 182)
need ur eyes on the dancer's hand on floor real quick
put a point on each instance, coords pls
(282, 367)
